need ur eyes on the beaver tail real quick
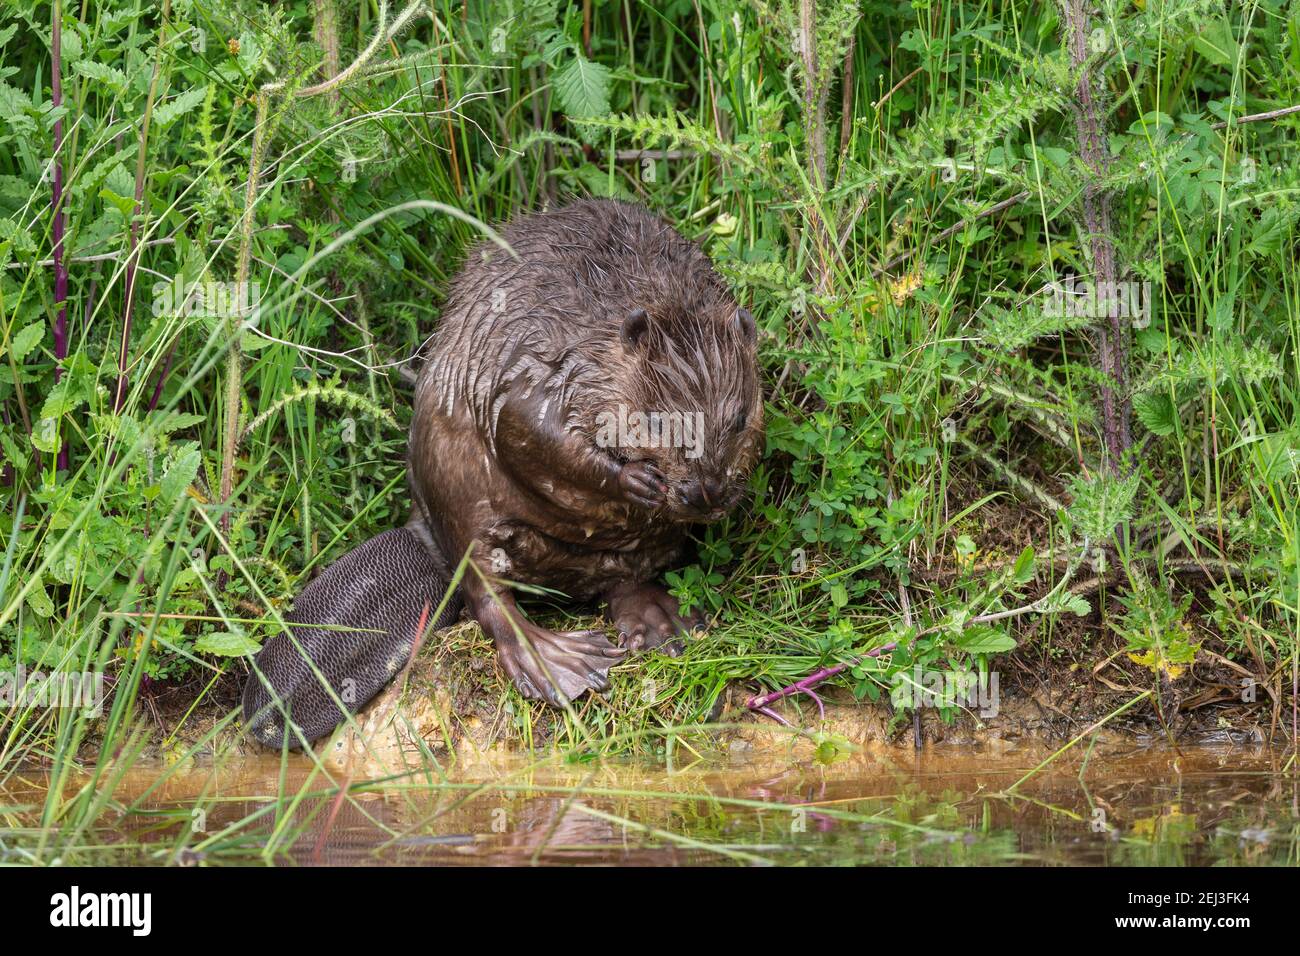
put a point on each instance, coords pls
(381, 588)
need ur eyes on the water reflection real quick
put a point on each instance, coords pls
(887, 807)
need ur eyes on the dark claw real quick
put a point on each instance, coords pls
(642, 484)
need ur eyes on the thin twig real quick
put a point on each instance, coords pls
(895, 88)
(1259, 117)
(952, 230)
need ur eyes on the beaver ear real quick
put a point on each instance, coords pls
(635, 328)
(744, 321)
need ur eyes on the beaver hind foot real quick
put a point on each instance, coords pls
(380, 591)
(554, 666)
(648, 617)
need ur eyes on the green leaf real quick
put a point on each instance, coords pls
(166, 423)
(1078, 605)
(26, 340)
(1215, 42)
(1157, 413)
(121, 203)
(582, 88)
(1023, 572)
(183, 103)
(180, 474)
(1221, 316)
(14, 104)
(45, 435)
(39, 601)
(12, 451)
(226, 644)
(114, 79)
(985, 640)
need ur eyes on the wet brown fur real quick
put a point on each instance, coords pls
(504, 461)
(545, 327)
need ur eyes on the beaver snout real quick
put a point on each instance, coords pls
(708, 499)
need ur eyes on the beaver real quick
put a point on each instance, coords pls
(588, 396)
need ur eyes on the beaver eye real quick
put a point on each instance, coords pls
(738, 423)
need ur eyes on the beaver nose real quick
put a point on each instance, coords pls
(704, 494)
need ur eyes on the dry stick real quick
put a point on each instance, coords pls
(133, 249)
(813, 100)
(1094, 151)
(895, 88)
(59, 212)
(814, 110)
(846, 99)
(1260, 117)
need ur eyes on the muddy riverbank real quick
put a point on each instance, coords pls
(453, 704)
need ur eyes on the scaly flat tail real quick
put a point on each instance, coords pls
(383, 587)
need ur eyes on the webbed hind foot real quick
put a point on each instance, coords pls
(554, 666)
(647, 616)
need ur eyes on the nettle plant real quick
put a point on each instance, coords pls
(1106, 126)
(123, 205)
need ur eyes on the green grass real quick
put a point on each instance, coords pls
(927, 420)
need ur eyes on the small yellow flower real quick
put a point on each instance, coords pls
(902, 290)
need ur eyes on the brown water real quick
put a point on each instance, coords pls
(888, 807)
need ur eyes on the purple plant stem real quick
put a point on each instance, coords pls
(162, 376)
(59, 213)
(821, 708)
(773, 714)
(763, 703)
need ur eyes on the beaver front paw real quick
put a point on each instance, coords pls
(562, 665)
(643, 484)
(647, 616)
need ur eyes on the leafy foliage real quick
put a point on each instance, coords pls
(892, 209)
